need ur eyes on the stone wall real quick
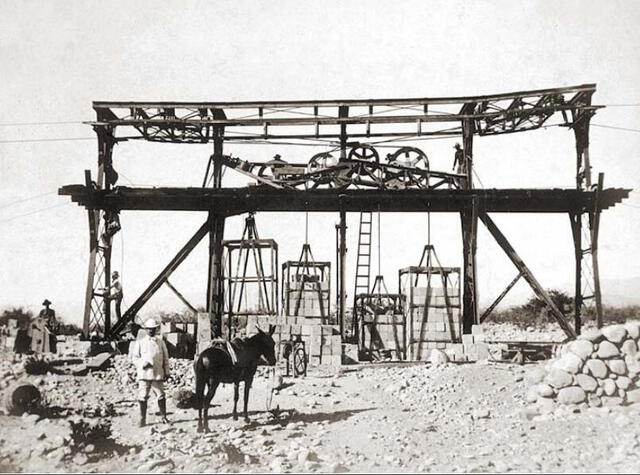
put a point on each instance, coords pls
(601, 367)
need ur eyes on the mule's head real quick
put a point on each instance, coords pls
(266, 345)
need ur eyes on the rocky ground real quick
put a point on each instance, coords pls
(369, 418)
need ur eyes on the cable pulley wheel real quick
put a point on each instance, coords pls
(407, 157)
(364, 152)
(320, 161)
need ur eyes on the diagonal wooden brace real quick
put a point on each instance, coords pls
(132, 311)
(527, 274)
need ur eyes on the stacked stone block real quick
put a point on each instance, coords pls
(385, 333)
(313, 303)
(601, 367)
(323, 343)
(440, 326)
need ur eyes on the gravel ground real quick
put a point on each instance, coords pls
(366, 418)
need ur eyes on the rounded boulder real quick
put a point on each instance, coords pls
(582, 348)
(607, 350)
(633, 329)
(609, 387)
(571, 395)
(586, 382)
(615, 333)
(617, 367)
(597, 368)
(569, 362)
(559, 378)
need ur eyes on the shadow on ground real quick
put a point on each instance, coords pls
(285, 417)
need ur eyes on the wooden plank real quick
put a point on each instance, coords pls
(502, 295)
(527, 274)
(262, 198)
(180, 296)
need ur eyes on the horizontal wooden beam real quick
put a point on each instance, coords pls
(232, 201)
(343, 102)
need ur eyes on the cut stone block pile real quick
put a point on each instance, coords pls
(310, 299)
(599, 368)
(384, 333)
(323, 343)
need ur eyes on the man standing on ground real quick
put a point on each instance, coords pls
(151, 358)
(51, 324)
(115, 293)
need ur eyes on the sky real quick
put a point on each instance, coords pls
(56, 57)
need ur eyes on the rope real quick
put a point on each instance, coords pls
(379, 245)
(306, 227)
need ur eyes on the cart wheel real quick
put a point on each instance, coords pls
(299, 362)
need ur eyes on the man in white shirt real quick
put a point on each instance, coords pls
(151, 358)
(115, 293)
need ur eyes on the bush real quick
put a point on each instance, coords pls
(68, 329)
(17, 313)
(84, 433)
(535, 313)
(35, 365)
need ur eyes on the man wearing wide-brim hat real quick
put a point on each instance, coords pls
(151, 358)
(51, 324)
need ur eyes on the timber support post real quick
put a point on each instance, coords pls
(594, 225)
(576, 229)
(342, 251)
(469, 221)
(215, 281)
(215, 284)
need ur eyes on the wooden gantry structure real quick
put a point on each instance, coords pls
(355, 179)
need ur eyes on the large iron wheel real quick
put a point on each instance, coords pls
(364, 152)
(408, 158)
(367, 153)
(320, 161)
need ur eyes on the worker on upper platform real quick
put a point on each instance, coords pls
(458, 160)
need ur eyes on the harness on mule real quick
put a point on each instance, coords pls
(225, 345)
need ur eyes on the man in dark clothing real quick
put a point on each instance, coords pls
(49, 316)
(459, 166)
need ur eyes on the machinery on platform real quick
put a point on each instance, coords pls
(347, 175)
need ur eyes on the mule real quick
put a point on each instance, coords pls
(214, 366)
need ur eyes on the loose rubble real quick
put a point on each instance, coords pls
(601, 367)
(445, 417)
